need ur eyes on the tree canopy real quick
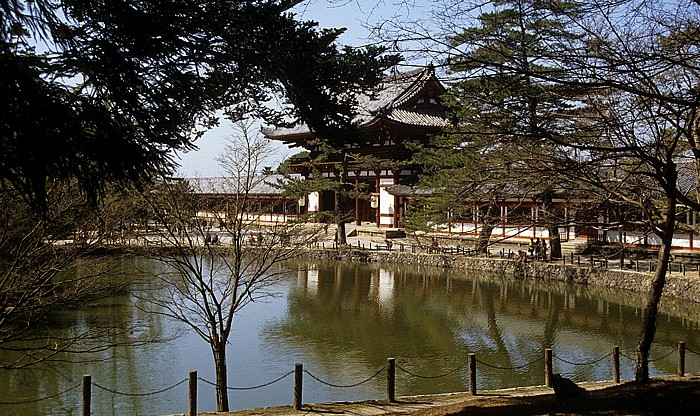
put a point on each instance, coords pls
(104, 91)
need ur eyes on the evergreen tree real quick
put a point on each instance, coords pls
(502, 116)
(124, 83)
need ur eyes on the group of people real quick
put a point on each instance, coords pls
(538, 249)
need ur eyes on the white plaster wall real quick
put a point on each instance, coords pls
(313, 202)
(386, 202)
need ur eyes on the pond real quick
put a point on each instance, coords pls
(342, 321)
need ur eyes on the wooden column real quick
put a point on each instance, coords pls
(358, 221)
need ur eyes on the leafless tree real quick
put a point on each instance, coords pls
(217, 254)
(47, 265)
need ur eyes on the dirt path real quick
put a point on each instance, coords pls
(663, 396)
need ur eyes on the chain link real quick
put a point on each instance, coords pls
(691, 351)
(151, 393)
(342, 386)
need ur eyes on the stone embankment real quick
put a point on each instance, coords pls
(677, 286)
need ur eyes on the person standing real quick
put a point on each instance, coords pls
(544, 249)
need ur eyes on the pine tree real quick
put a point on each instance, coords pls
(503, 117)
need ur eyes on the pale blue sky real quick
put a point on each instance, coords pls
(352, 14)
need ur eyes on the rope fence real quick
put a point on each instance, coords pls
(389, 369)
(344, 386)
(259, 386)
(151, 393)
(584, 363)
(512, 368)
(41, 399)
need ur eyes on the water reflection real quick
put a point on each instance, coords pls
(430, 320)
(343, 320)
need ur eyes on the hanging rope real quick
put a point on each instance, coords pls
(627, 356)
(517, 367)
(44, 398)
(650, 359)
(585, 363)
(259, 386)
(662, 357)
(342, 386)
(151, 393)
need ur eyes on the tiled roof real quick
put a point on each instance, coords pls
(423, 117)
(394, 92)
(405, 190)
(258, 185)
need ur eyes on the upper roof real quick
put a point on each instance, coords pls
(409, 98)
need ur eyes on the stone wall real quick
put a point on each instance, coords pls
(677, 285)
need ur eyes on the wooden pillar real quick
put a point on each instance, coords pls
(377, 182)
(358, 221)
(298, 381)
(548, 367)
(87, 392)
(681, 358)
(472, 374)
(391, 380)
(616, 364)
(192, 395)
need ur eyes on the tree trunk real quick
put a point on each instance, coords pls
(652, 307)
(339, 216)
(482, 243)
(221, 377)
(554, 242)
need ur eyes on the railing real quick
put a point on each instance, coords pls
(389, 370)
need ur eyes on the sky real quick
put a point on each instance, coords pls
(350, 14)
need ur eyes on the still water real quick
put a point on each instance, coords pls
(342, 321)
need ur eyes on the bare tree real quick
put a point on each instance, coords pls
(46, 265)
(217, 254)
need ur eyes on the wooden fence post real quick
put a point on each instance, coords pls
(616, 364)
(472, 374)
(298, 380)
(391, 379)
(681, 358)
(548, 367)
(87, 387)
(192, 394)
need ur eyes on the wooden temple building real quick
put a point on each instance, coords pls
(406, 109)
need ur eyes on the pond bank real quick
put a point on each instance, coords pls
(677, 286)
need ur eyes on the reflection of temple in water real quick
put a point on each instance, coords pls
(382, 289)
(430, 319)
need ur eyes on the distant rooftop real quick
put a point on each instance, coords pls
(256, 185)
